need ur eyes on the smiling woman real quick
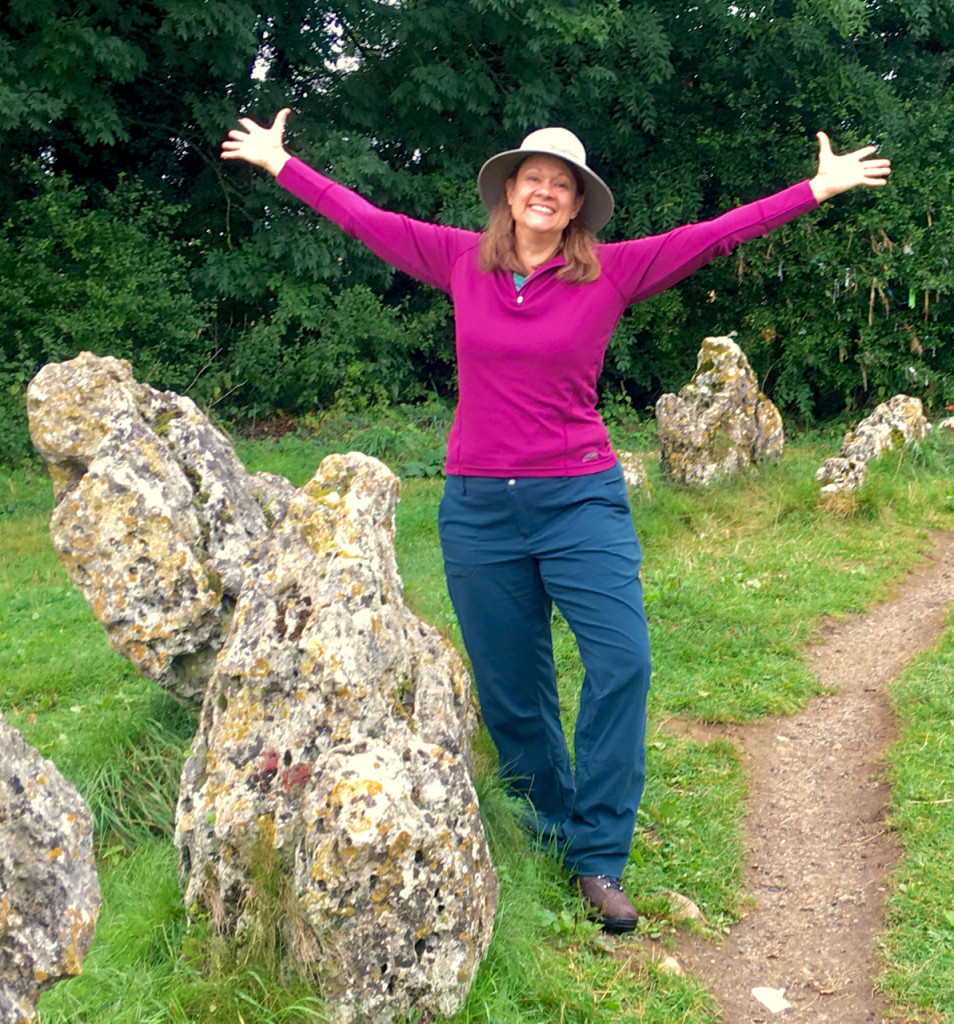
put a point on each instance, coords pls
(535, 508)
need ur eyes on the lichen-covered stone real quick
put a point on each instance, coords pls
(334, 734)
(154, 514)
(892, 424)
(49, 886)
(720, 423)
(335, 730)
(634, 472)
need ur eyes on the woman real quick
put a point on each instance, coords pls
(535, 508)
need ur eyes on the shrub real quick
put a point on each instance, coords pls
(94, 273)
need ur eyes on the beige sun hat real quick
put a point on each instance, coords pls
(560, 142)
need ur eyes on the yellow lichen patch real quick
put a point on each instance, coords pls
(242, 711)
(318, 532)
(10, 917)
(325, 864)
(39, 975)
(342, 730)
(56, 853)
(137, 652)
(348, 853)
(81, 927)
(313, 654)
(72, 960)
(260, 669)
(400, 844)
(348, 791)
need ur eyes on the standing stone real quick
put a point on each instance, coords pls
(720, 423)
(49, 887)
(634, 472)
(892, 424)
(334, 735)
(330, 773)
(154, 514)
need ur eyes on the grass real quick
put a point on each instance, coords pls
(919, 942)
(739, 578)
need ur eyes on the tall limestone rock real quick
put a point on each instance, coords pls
(332, 755)
(720, 423)
(49, 885)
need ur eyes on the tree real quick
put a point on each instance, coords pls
(686, 109)
(689, 109)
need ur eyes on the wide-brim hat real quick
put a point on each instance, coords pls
(559, 142)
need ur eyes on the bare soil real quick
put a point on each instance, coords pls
(820, 854)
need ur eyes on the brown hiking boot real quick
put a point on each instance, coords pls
(606, 902)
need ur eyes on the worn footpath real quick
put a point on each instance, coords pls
(820, 855)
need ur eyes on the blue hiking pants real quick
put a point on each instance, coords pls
(511, 549)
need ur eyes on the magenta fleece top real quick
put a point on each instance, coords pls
(528, 360)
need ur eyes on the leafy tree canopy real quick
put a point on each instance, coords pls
(686, 109)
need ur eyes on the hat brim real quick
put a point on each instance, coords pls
(597, 198)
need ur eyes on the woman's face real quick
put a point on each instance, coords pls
(543, 197)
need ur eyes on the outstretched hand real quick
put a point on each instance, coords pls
(839, 173)
(260, 146)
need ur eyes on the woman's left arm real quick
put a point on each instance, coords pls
(645, 266)
(839, 173)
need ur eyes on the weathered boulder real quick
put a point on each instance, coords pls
(335, 732)
(154, 514)
(634, 472)
(332, 753)
(891, 425)
(719, 423)
(49, 886)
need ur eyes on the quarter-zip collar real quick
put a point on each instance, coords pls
(556, 261)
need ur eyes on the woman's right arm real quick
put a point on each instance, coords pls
(425, 251)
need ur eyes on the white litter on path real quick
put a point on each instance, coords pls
(772, 998)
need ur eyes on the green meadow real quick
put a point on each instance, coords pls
(739, 578)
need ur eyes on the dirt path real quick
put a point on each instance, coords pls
(819, 854)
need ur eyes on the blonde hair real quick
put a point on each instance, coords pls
(498, 245)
